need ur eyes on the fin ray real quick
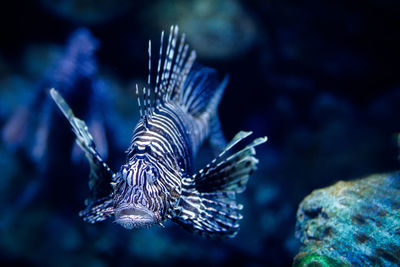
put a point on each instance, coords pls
(198, 90)
(212, 215)
(208, 201)
(231, 173)
(99, 204)
(202, 91)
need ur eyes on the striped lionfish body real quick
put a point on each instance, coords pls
(178, 112)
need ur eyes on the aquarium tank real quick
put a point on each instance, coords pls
(316, 82)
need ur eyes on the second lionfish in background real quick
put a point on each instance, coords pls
(178, 113)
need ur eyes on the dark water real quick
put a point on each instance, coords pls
(320, 79)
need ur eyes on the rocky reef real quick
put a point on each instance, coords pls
(355, 223)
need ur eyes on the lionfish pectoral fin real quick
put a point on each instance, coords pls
(98, 210)
(230, 173)
(211, 215)
(208, 201)
(101, 178)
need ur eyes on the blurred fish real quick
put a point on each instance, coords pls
(158, 182)
(74, 74)
(27, 132)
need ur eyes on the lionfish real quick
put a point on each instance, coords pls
(178, 112)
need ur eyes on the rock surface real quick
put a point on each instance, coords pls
(353, 223)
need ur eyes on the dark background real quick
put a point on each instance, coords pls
(319, 78)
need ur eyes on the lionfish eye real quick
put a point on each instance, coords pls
(151, 174)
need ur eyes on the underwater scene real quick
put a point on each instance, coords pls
(199, 133)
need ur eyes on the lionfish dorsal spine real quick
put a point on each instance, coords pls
(173, 68)
(145, 102)
(149, 104)
(195, 91)
(168, 62)
(184, 74)
(149, 75)
(165, 66)
(182, 53)
(157, 90)
(139, 102)
(170, 77)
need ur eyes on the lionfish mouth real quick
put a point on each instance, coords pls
(133, 217)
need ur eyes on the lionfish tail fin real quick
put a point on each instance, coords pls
(102, 178)
(208, 202)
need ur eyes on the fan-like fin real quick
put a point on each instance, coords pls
(212, 215)
(208, 202)
(230, 173)
(102, 178)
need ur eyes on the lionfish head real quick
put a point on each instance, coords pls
(144, 193)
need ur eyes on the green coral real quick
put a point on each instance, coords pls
(316, 260)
